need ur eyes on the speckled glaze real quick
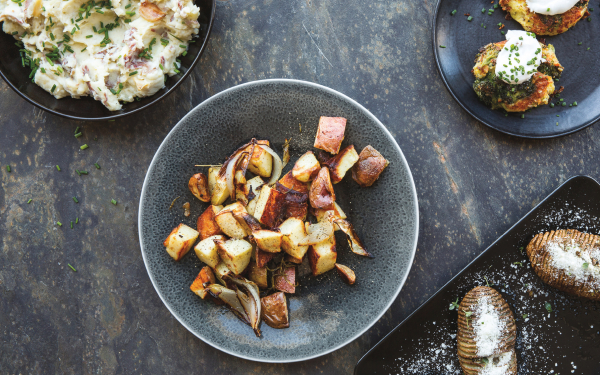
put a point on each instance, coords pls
(325, 313)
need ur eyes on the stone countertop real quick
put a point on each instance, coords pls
(473, 183)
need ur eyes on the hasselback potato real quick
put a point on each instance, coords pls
(486, 333)
(568, 260)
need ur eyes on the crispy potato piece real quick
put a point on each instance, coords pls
(321, 191)
(262, 257)
(341, 163)
(322, 256)
(274, 311)
(205, 277)
(261, 162)
(198, 185)
(369, 166)
(268, 240)
(295, 204)
(217, 187)
(250, 190)
(269, 206)
(290, 183)
(207, 226)
(235, 254)
(227, 222)
(206, 250)
(306, 168)
(150, 12)
(346, 274)
(293, 231)
(180, 241)
(330, 134)
(286, 281)
(258, 275)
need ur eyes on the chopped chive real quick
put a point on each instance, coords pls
(8, 168)
(113, 202)
(133, 73)
(453, 12)
(29, 201)
(76, 220)
(89, 36)
(442, 46)
(57, 167)
(84, 147)
(74, 270)
(130, 13)
(84, 48)
(77, 129)
(161, 66)
(75, 200)
(97, 165)
(79, 173)
(182, 46)
(77, 135)
(127, 6)
(83, 172)
(176, 38)
(183, 53)
(59, 223)
(71, 225)
(53, 88)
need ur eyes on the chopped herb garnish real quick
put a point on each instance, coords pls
(75, 200)
(127, 6)
(76, 220)
(83, 172)
(113, 202)
(518, 263)
(585, 265)
(74, 270)
(84, 147)
(71, 224)
(53, 88)
(454, 305)
(97, 165)
(8, 168)
(89, 36)
(525, 316)
(453, 12)
(548, 306)
(442, 46)
(133, 73)
(58, 168)
(59, 223)
(29, 201)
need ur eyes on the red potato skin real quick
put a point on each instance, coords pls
(369, 166)
(330, 134)
(289, 182)
(257, 275)
(274, 311)
(207, 226)
(263, 257)
(286, 282)
(321, 191)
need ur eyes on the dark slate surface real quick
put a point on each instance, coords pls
(473, 184)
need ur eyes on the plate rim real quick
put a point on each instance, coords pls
(115, 116)
(484, 122)
(441, 289)
(394, 144)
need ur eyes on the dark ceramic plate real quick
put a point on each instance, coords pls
(87, 108)
(463, 40)
(325, 313)
(564, 341)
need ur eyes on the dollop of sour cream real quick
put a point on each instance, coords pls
(550, 7)
(520, 57)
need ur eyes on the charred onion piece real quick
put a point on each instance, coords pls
(346, 274)
(198, 185)
(231, 300)
(277, 165)
(151, 12)
(318, 232)
(274, 310)
(355, 245)
(286, 152)
(230, 173)
(321, 193)
(186, 209)
(249, 297)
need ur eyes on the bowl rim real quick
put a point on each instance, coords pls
(489, 124)
(154, 101)
(413, 193)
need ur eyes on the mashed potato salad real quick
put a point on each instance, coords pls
(115, 51)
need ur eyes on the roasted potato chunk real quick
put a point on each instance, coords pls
(205, 278)
(369, 166)
(258, 275)
(207, 226)
(274, 310)
(206, 250)
(250, 190)
(198, 185)
(321, 191)
(180, 241)
(235, 254)
(475, 358)
(306, 168)
(269, 206)
(228, 223)
(217, 186)
(261, 162)
(285, 281)
(293, 231)
(268, 240)
(322, 256)
(330, 134)
(346, 274)
(262, 257)
(341, 163)
(290, 183)
(568, 260)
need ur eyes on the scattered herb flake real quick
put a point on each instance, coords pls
(113, 202)
(70, 266)
(548, 306)
(84, 147)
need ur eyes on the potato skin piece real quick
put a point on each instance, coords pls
(541, 262)
(542, 24)
(207, 226)
(468, 357)
(369, 166)
(286, 282)
(321, 193)
(274, 311)
(330, 134)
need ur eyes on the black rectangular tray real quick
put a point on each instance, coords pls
(563, 341)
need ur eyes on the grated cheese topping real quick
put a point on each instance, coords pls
(488, 328)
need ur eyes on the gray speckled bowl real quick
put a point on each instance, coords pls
(325, 313)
